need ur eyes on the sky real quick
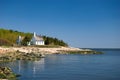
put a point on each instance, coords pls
(80, 23)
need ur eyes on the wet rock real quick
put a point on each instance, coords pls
(6, 73)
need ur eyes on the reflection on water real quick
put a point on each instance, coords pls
(30, 65)
(22, 66)
(38, 65)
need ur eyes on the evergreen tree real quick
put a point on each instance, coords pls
(26, 40)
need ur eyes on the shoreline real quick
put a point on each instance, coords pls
(60, 50)
(8, 54)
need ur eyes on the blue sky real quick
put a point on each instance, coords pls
(80, 23)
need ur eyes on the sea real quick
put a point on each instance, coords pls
(70, 67)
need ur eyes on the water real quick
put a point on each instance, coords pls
(70, 67)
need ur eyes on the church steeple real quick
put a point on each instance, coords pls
(34, 34)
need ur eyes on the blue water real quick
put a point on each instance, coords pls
(70, 67)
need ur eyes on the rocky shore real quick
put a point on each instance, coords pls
(35, 53)
(12, 56)
(46, 50)
(7, 74)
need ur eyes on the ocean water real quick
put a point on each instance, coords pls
(70, 67)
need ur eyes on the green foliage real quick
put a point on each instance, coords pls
(9, 37)
(26, 40)
(4, 42)
(54, 41)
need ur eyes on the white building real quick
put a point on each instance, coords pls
(19, 40)
(37, 40)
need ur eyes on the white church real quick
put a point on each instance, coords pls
(36, 40)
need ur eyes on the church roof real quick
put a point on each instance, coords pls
(38, 38)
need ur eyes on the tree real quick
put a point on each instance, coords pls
(54, 41)
(26, 40)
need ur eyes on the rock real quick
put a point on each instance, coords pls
(6, 74)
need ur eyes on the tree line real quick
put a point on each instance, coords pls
(9, 37)
(54, 41)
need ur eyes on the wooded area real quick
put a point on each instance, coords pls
(9, 37)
